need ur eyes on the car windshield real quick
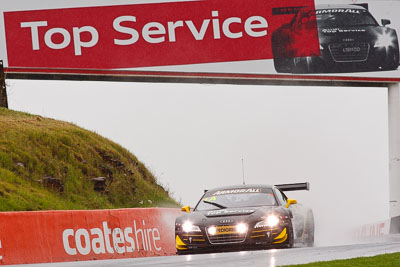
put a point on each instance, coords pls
(237, 198)
(344, 17)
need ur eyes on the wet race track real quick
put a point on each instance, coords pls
(273, 257)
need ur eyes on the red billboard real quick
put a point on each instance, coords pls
(277, 39)
(146, 35)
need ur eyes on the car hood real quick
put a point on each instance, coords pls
(234, 212)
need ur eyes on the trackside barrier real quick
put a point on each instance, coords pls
(59, 236)
(395, 225)
(373, 230)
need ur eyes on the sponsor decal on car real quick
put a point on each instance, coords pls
(229, 212)
(210, 199)
(237, 191)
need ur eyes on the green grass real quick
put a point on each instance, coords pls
(32, 147)
(385, 260)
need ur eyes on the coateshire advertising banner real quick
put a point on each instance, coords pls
(57, 236)
(276, 39)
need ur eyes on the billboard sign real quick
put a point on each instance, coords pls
(29, 237)
(301, 39)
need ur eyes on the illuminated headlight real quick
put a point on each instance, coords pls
(384, 40)
(212, 230)
(241, 228)
(271, 221)
(189, 227)
(321, 47)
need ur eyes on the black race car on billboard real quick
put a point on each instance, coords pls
(350, 40)
(245, 217)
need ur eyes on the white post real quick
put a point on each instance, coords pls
(394, 156)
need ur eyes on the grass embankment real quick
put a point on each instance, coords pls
(33, 147)
(386, 260)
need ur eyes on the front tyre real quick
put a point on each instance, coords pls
(290, 240)
(309, 231)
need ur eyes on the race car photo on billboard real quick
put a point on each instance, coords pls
(350, 40)
(245, 217)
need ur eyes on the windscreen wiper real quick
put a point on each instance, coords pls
(215, 204)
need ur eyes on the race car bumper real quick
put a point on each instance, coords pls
(334, 59)
(253, 239)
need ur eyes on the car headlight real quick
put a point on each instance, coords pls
(189, 227)
(385, 39)
(212, 230)
(271, 221)
(241, 228)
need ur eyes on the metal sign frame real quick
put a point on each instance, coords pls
(193, 77)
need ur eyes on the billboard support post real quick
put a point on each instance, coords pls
(394, 156)
(3, 91)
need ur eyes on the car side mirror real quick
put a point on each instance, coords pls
(291, 202)
(385, 22)
(186, 208)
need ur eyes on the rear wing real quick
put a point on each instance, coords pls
(294, 187)
(362, 5)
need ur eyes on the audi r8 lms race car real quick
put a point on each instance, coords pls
(350, 40)
(245, 217)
